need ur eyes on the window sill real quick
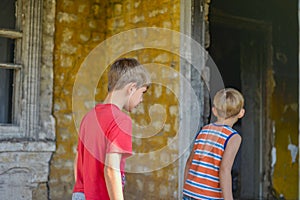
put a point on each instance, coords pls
(27, 146)
(8, 131)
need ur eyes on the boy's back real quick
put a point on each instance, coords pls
(105, 134)
(208, 169)
(105, 129)
(203, 180)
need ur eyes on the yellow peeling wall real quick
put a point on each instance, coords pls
(80, 26)
(285, 176)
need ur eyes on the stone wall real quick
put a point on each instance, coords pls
(80, 27)
(26, 150)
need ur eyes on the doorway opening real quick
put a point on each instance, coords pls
(241, 49)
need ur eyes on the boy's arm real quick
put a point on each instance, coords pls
(187, 165)
(112, 176)
(75, 166)
(226, 165)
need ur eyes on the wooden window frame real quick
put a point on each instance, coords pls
(27, 65)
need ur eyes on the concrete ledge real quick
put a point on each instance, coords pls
(27, 146)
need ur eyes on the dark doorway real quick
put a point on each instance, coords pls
(225, 51)
(240, 49)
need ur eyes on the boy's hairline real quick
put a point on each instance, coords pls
(230, 116)
(139, 66)
(147, 85)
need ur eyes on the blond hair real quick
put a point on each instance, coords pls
(127, 70)
(228, 102)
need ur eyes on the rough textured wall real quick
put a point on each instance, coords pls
(46, 88)
(162, 183)
(25, 156)
(80, 26)
(285, 107)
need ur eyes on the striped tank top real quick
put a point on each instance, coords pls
(203, 178)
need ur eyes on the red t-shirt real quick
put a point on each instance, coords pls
(105, 129)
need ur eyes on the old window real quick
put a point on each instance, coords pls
(27, 127)
(20, 68)
(9, 67)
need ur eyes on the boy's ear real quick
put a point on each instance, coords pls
(214, 110)
(131, 87)
(241, 113)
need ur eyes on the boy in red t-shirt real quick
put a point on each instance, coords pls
(104, 140)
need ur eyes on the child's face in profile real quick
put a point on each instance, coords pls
(135, 98)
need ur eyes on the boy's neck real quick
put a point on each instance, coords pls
(115, 98)
(229, 122)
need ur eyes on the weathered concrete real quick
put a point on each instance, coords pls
(27, 145)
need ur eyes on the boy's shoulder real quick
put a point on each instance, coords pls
(219, 127)
(110, 112)
(107, 111)
(107, 116)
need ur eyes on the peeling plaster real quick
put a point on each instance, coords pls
(273, 157)
(292, 106)
(273, 152)
(294, 150)
(273, 128)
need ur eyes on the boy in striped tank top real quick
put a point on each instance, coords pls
(208, 168)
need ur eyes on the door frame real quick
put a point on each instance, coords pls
(266, 139)
(192, 25)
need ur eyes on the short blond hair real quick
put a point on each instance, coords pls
(228, 102)
(127, 70)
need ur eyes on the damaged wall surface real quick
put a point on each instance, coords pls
(56, 38)
(98, 21)
(27, 143)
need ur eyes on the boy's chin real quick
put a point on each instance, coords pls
(128, 109)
